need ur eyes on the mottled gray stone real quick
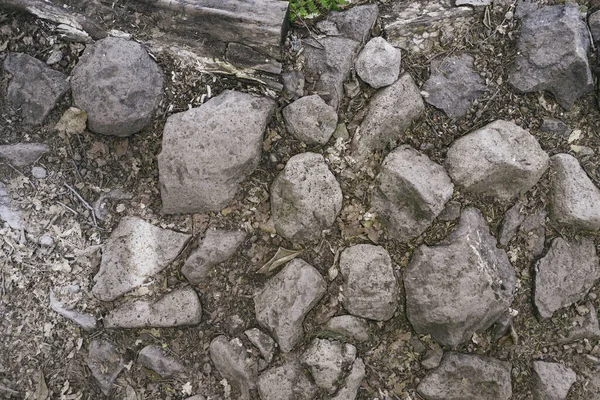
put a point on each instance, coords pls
(287, 381)
(552, 381)
(433, 358)
(310, 120)
(555, 126)
(451, 212)
(293, 85)
(588, 327)
(533, 232)
(39, 172)
(474, 3)
(22, 154)
(235, 364)
(263, 342)
(105, 363)
(594, 24)
(513, 218)
(348, 326)
(355, 23)
(154, 357)
(327, 361)
(349, 389)
(8, 213)
(378, 64)
(86, 321)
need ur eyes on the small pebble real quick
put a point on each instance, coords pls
(39, 172)
(46, 241)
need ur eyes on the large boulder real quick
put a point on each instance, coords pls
(310, 120)
(378, 64)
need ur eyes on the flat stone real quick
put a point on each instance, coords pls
(286, 299)
(474, 3)
(35, 88)
(293, 85)
(467, 377)
(154, 357)
(500, 160)
(552, 381)
(39, 172)
(305, 198)
(594, 24)
(565, 274)
(235, 364)
(8, 213)
(310, 120)
(287, 381)
(552, 54)
(460, 286)
(511, 223)
(588, 327)
(135, 251)
(533, 232)
(348, 326)
(105, 363)
(349, 389)
(370, 289)
(378, 64)
(263, 342)
(355, 23)
(327, 361)
(201, 178)
(118, 85)
(555, 126)
(86, 321)
(22, 154)
(181, 307)
(412, 191)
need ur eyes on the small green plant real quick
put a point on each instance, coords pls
(305, 9)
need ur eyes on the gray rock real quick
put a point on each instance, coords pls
(555, 126)
(263, 342)
(565, 274)
(552, 54)
(305, 198)
(207, 151)
(8, 213)
(533, 232)
(370, 289)
(551, 381)
(474, 3)
(594, 24)
(525, 7)
(349, 326)
(216, 247)
(391, 111)
(349, 389)
(46, 241)
(286, 299)
(328, 361)
(135, 251)
(511, 223)
(500, 160)
(35, 88)
(433, 358)
(412, 191)
(233, 362)
(86, 321)
(181, 307)
(287, 381)
(355, 23)
(196, 397)
(22, 154)
(451, 212)
(453, 84)
(310, 120)
(293, 85)
(154, 357)
(467, 377)
(461, 286)
(378, 64)
(39, 172)
(105, 363)
(574, 199)
(118, 85)
(588, 327)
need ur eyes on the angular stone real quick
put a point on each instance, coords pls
(349, 326)
(286, 299)
(500, 160)
(263, 342)
(327, 362)
(154, 357)
(310, 120)
(22, 154)
(551, 381)
(460, 286)
(378, 64)
(533, 232)
(565, 274)
(555, 126)
(181, 307)
(287, 381)
(35, 88)
(594, 24)
(118, 85)
(552, 54)
(305, 198)
(293, 85)
(349, 389)
(411, 193)
(86, 321)
(233, 362)
(588, 327)
(467, 377)
(135, 251)
(355, 23)
(511, 223)
(451, 212)
(207, 151)
(370, 289)
(105, 363)
(8, 213)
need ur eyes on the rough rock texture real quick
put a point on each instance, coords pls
(86, 321)
(305, 198)
(105, 363)
(555, 126)
(355, 23)
(179, 308)
(391, 111)
(461, 286)
(500, 160)
(154, 357)
(594, 24)
(565, 274)
(327, 362)
(35, 88)
(533, 232)
(411, 193)
(551, 381)
(513, 218)
(467, 377)
(310, 120)
(8, 213)
(587, 327)
(453, 84)
(553, 46)
(135, 251)
(216, 247)
(370, 289)
(263, 342)
(233, 362)
(286, 299)
(22, 154)
(352, 327)
(207, 151)
(349, 389)
(118, 85)
(287, 381)
(378, 64)
(575, 200)
(293, 85)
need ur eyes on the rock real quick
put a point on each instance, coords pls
(453, 85)
(262, 342)
(154, 357)
(467, 377)
(574, 199)
(451, 212)
(305, 198)
(233, 362)
(216, 247)
(118, 85)
(565, 274)
(287, 381)
(378, 64)
(525, 7)
(34, 88)
(594, 24)
(551, 381)
(196, 397)
(390, 112)
(588, 327)
(511, 223)
(552, 54)
(327, 362)
(46, 241)
(555, 126)
(460, 286)
(86, 321)
(22, 154)
(500, 160)
(349, 389)
(8, 213)
(474, 3)
(355, 23)
(181, 307)
(432, 358)
(135, 251)
(349, 326)
(310, 120)
(328, 63)
(39, 172)
(105, 363)
(286, 299)
(200, 178)
(293, 85)
(370, 289)
(533, 232)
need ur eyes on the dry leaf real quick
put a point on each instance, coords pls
(282, 256)
(41, 392)
(72, 122)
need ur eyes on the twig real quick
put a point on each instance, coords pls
(20, 173)
(85, 203)
(68, 208)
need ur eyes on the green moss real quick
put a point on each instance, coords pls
(304, 9)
